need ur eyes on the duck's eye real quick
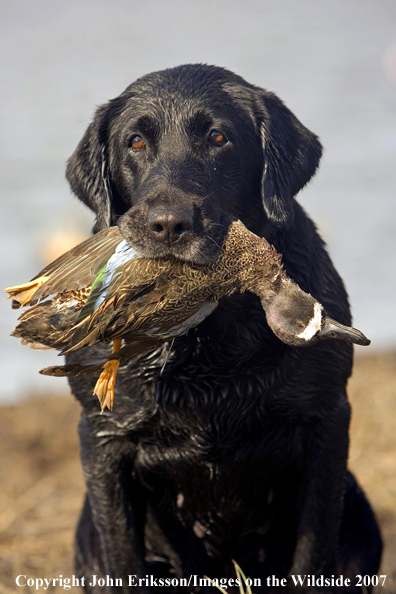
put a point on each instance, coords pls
(300, 323)
(137, 143)
(217, 138)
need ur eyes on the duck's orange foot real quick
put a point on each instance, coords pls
(104, 388)
(23, 293)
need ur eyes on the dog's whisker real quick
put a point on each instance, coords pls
(167, 356)
(211, 239)
(207, 196)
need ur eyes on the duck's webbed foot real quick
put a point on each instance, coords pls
(104, 388)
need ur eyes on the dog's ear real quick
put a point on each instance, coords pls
(87, 170)
(291, 156)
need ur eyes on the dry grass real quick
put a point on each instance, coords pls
(42, 487)
(42, 490)
(372, 393)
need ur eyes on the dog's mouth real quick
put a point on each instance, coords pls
(192, 239)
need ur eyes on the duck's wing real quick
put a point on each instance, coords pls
(140, 301)
(125, 273)
(74, 270)
(136, 283)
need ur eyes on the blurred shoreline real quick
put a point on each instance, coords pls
(43, 490)
(333, 63)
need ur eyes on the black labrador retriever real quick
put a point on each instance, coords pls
(226, 444)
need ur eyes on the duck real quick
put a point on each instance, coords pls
(103, 290)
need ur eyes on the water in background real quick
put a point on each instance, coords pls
(332, 62)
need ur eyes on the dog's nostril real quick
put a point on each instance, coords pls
(181, 227)
(157, 228)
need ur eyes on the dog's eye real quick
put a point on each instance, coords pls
(217, 138)
(137, 143)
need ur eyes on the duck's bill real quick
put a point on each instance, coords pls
(333, 329)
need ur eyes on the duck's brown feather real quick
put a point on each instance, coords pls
(75, 269)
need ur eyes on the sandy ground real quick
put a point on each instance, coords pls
(42, 487)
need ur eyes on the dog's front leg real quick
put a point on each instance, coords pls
(321, 496)
(117, 509)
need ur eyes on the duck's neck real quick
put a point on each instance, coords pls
(251, 259)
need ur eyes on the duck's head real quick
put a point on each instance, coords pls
(298, 319)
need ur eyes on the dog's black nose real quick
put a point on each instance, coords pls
(168, 225)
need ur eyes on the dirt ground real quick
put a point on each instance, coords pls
(42, 487)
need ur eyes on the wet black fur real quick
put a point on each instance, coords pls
(238, 450)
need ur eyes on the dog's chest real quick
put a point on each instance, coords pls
(205, 430)
(213, 449)
(211, 480)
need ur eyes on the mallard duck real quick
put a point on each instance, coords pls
(105, 291)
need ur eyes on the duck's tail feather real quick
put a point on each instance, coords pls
(72, 369)
(138, 345)
(141, 346)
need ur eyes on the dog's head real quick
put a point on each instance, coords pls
(182, 151)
